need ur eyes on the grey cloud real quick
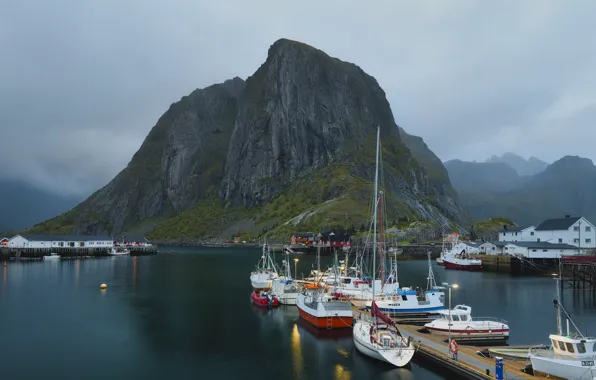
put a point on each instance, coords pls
(82, 82)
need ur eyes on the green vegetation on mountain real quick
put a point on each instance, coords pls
(291, 148)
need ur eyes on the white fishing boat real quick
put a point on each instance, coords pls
(571, 356)
(118, 251)
(407, 301)
(52, 256)
(459, 323)
(461, 261)
(380, 338)
(284, 287)
(263, 275)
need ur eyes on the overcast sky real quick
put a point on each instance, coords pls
(83, 82)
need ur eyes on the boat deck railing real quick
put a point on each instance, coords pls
(489, 319)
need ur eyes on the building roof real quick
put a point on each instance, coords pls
(497, 243)
(541, 245)
(38, 237)
(515, 228)
(557, 224)
(470, 244)
(304, 234)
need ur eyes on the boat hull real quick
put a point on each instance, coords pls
(264, 302)
(440, 261)
(461, 265)
(288, 299)
(470, 333)
(564, 369)
(398, 357)
(333, 322)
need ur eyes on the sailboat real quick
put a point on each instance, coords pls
(381, 340)
(321, 309)
(396, 300)
(571, 356)
(264, 273)
(284, 287)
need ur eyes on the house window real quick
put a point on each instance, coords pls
(533, 250)
(576, 240)
(493, 248)
(545, 250)
(576, 228)
(538, 240)
(532, 233)
(588, 228)
(516, 234)
(588, 240)
(560, 240)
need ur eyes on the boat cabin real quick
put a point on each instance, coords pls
(460, 313)
(574, 346)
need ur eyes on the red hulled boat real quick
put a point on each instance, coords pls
(265, 299)
(462, 261)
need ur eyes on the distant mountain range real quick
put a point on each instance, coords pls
(522, 166)
(24, 205)
(495, 188)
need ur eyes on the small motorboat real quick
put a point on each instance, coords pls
(266, 299)
(118, 252)
(464, 326)
(52, 256)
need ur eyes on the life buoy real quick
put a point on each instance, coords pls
(453, 346)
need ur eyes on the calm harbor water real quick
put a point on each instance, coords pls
(187, 314)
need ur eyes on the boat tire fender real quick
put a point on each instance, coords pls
(453, 346)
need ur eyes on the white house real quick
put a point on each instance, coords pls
(467, 246)
(539, 250)
(492, 247)
(60, 241)
(576, 231)
(516, 234)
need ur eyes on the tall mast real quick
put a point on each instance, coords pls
(559, 324)
(374, 264)
(381, 256)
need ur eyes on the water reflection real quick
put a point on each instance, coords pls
(297, 359)
(341, 373)
(4, 278)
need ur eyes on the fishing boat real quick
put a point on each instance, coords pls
(461, 261)
(459, 323)
(52, 256)
(284, 287)
(118, 252)
(321, 309)
(266, 299)
(572, 356)
(407, 301)
(264, 273)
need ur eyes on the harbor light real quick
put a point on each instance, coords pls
(103, 286)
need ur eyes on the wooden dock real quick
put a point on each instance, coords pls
(469, 364)
(7, 253)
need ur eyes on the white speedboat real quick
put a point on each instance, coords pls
(264, 273)
(571, 356)
(118, 252)
(52, 256)
(464, 325)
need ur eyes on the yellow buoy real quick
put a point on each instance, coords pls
(103, 286)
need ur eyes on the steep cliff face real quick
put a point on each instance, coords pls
(181, 160)
(297, 111)
(296, 137)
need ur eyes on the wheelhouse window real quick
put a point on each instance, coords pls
(561, 346)
(581, 348)
(455, 317)
(555, 344)
(570, 347)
